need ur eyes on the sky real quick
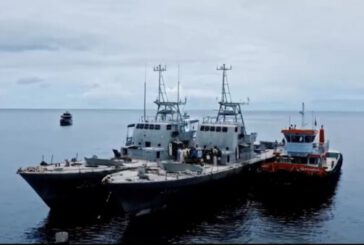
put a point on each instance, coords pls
(97, 54)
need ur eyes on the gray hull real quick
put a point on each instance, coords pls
(71, 190)
(145, 197)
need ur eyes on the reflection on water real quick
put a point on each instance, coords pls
(186, 221)
(257, 215)
(294, 214)
(84, 227)
(293, 204)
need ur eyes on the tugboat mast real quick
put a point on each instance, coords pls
(145, 94)
(227, 107)
(303, 115)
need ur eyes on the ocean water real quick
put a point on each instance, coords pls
(247, 217)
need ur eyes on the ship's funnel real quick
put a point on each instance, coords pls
(322, 135)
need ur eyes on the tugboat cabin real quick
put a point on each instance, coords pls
(299, 140)
(302, 148)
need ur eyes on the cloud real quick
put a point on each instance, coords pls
(30, 80)
(282, 52)
(95, 86)
(106, 91)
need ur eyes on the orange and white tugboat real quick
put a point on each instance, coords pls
(305, 158)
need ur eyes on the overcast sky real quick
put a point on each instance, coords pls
(93, 54)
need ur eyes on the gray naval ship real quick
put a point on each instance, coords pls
(221, 151)
(158, 138)
(76, 184)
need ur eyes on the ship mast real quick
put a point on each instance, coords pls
(303, 115)
(166, 109)
(228, 108)
(145, 93)
(178, 100)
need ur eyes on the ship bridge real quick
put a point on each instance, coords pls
(300, 141)
(303, 142)
(159, 137)
(226, 131)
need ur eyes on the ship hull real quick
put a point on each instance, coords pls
(65, 122)
(69, 191)
(147, 197)
(297, 179)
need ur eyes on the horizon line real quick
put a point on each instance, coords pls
(195, 109)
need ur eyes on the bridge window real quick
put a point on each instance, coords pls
(212, 128)
(151, 126)
(236, 129)
(297, 138)
(218, 129)
(141, 126)
(309, 138)
(300, 160)
(202, 128)
(224, 129)
(146, 126)
(157, 127)
(313, 160)
(147, 144)
(138, 125)
(332, 154)
(169, 127)
(207, 128)
(288, 138)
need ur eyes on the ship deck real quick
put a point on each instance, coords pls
(158, 174)
(79, 167)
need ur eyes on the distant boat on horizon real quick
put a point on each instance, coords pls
(66, 119)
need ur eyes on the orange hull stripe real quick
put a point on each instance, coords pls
(299, 131)
(289, 167)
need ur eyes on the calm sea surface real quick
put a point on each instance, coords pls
(248, 217)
